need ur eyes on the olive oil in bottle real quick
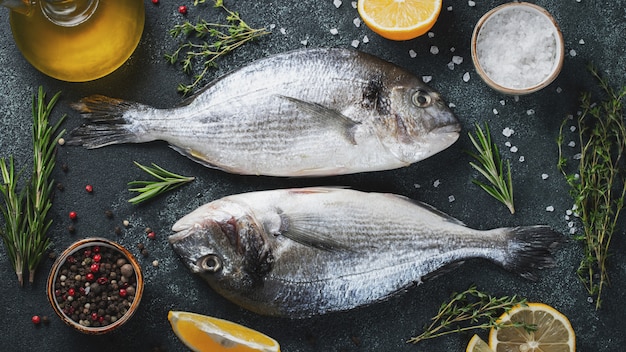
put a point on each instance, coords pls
(78, 40)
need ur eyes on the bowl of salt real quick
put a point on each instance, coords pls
(517, 48)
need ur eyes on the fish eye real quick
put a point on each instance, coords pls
(422, 99)
(211, 263)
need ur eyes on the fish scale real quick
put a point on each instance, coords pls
(309, 112)
(332, 249)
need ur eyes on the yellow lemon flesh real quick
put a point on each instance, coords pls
(399, 19)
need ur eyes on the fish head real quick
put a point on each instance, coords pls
(224, 244)
(416, 122)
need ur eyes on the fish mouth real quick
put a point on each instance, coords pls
(449, 132)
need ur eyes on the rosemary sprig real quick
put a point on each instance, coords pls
(166, 181)
(474, 309)
(26, 212)
(598, 186)
(490, 165)
(225, 38)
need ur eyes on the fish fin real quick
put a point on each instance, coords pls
(108, 122)
(443, 270)
(197, 157)
(432, 209)
(529, 249)
(301, 228)
(330, 115)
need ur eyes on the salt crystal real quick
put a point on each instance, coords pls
(412, 53)
(559, 89)
(495, 111)
(567, 217)
(272, 26)
(304, 42)
(449, 8)
(427, 79)
(572, 53)
(451, 65)
(571, 144)
(572, 128)
(568, 212)
(508, 144)
(570, 224)
(530, 112)
(550, 208)
(502, 102)
(337, 3)
(357, 22)
(366, 39)
(544, 176)
(436, 183)
(517, 49)
(451, 198)
(451, 105)
(471, 3)
(354, 4)
(516, 98)
(434, 50)
(513, 149)
(457, 59)
(283, 31)
(577, 156)
(508, 132)
(355, 43)
(572, 231)
(431, 34)
(417, 185)
(334, 31)
(522, 159)
(466, 77)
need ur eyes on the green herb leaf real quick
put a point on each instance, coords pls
(470, 310)
(165, 181)
(225, 38)
(491, 167)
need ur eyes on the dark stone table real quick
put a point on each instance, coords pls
(593, 32)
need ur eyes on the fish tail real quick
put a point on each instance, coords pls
(529, 249)
(110, 121)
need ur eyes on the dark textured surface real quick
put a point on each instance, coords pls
(146, 77)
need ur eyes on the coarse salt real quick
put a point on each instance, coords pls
(466, 77)
(550, 208)
(508, 132)
(337, 3)
(517, 48)
(355, 43)
(427, 79)
(366, 39)
(434, 50)
(357, 22)
(457, 59)
(334, 31)
(412, 53)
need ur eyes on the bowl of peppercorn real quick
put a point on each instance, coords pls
(95, 285)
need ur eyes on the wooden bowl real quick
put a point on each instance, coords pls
(556, 60)
(94, 281)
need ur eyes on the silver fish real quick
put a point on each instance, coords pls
(311, 112)
(303, 252)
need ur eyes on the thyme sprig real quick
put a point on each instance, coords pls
(598, 186)
(26, 213)
(225, 37)
(166, 181)
(469, 310)
(490, 165)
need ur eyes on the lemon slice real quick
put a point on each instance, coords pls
(554, 332)
(399, 19)
(204, 333)
(476, 344)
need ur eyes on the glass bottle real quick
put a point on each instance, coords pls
(76, 40)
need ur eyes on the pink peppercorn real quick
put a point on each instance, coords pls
(182, 9)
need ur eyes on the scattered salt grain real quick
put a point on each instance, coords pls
(577, 156)
(457, 59)
(569, 212)
(530, 112)
(571, 144)
(572, 53)
(517, 48)
(337, 3)
(522, 159)
(544, 176)
(572, 231)
(508, 144)
(451, 198)
(502, 102)
(354, 4)
(508, 132)
(355, 43)
(417, 185)
(451, 105)
(581, 42)
(427, 79)
(513, 149)
(304, 42)
(272, 26)
(570, 224)
(449, 8)
(572, 128)
(466, 77)
(431, 34)
(559, 89)
(471, 3)
(550, 208)
(495, 111)
(283, 31)
(436, 183)
(412, 54)
(434, 50)
(366, 39)
(334, 31)
(452, 49)
(155, 263)
(451, 65)
(357, 22)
